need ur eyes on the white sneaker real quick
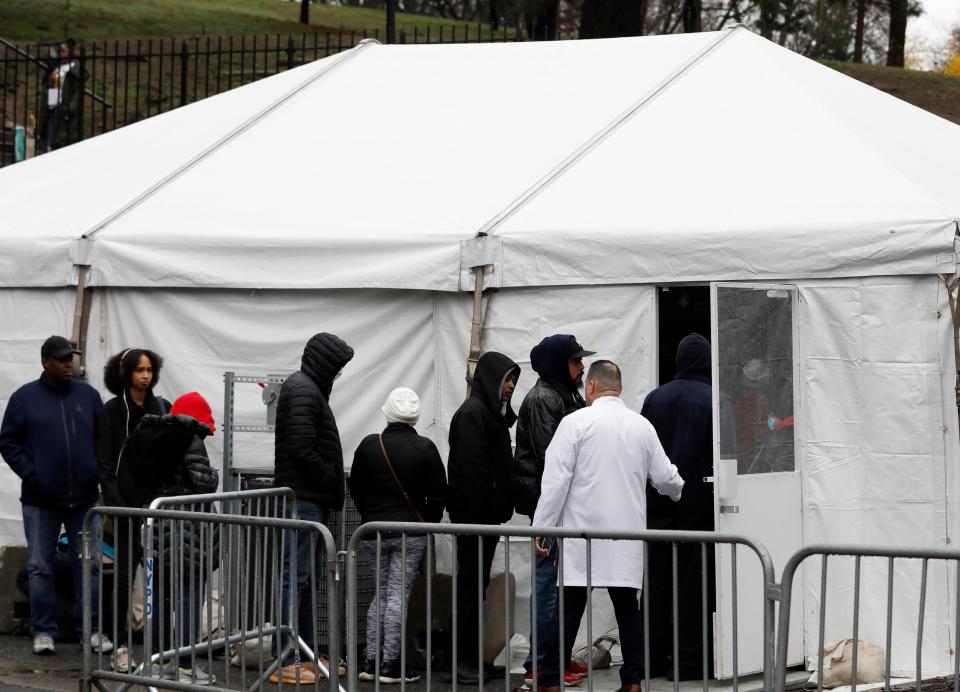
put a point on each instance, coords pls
(100, 643)
(43, 645)
(122, 662)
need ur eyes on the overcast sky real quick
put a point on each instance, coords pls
(932, 29)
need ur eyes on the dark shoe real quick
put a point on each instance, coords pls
(369, 672)
(465, 676)
(390, 674)
(631, 688)
(492, 672)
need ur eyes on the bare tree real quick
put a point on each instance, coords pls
(611, 18)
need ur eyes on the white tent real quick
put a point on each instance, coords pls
(344, 196)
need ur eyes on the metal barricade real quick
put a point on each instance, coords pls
(185, 554)
(376, 533)
(890, 556)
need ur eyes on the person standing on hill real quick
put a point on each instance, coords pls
(481, 492)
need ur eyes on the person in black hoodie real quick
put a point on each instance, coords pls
(396, 476)
(558, 360)
(681, 411)
(166, 457)
(308, 459)
(480, 470)
(131, 376)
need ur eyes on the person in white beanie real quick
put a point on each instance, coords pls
(397, 475)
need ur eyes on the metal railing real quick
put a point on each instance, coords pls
(375, 532)
(890, 556)
(185, 555)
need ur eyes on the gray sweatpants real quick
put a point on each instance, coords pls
(396, 581)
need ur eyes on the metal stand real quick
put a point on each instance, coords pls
(271, 383)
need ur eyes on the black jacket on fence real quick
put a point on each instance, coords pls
(308, 455)
(681, 411)
(552, 397)
(120, 417)
(480, 467)
(419, 469)
(167, 458)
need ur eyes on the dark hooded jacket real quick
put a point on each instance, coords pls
(308, 455)
(120, 418)
(552, 397)
(681, 412)
(481, 459)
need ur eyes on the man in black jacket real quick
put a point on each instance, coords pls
(480, 490)
(681, 412)
(309, 459)
(558, 360)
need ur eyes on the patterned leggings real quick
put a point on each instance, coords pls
(394, 572)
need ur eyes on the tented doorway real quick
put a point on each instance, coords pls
(680, 311)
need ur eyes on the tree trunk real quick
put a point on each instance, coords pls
(304, 11)
(494, 14)
(692, 11)
(898, 33)
(767, 15)
(612, 18)
(858, 37)
(541, 19)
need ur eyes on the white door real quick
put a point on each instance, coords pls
(756, 459)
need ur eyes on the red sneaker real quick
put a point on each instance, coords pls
(569, 679)
(577, 669)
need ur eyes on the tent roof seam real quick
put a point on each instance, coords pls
(231, 135)
(600, 136)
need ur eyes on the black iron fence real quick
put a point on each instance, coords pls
(119, 82)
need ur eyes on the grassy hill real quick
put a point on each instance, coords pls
(40, 20)
(937, 93)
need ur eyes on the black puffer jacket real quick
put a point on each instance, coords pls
(119, 419)
(481, 459)
(552, 397)
(167, 458)
(418, 466)
(682, 414)
(308, 455)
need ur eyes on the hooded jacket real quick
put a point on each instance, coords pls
(48, 437)
(308, 455)
(481, 459)
(120, 418)
(681, 412)
(552, 397)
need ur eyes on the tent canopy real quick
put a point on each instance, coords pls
(667, 158)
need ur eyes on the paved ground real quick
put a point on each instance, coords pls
(21, 670)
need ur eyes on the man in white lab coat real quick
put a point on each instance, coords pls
(595, 478)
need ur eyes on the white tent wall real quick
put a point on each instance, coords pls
(29, 316)
(202, 333)
(879, 422)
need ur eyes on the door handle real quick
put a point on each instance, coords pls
(729, 509)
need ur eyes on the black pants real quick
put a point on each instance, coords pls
(626, 608)
(128, 554)
(473, 577)
(689, 610)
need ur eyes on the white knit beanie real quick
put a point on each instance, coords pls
(402, 406)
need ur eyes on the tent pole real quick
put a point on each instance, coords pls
(81, 318)
(476, 326)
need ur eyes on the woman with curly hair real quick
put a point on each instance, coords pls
(131, 376)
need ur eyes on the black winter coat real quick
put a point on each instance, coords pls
(681, 412)
(167, 458)
(481, 458)
(542, 409)
(417, 464)
(308, 455)
(119, 419)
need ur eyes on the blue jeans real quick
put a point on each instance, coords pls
(547, 604)
(306, 607)
(41, 525)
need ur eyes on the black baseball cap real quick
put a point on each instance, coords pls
(577, 351)
(57, 347)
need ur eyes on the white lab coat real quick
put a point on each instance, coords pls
(595, 477)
